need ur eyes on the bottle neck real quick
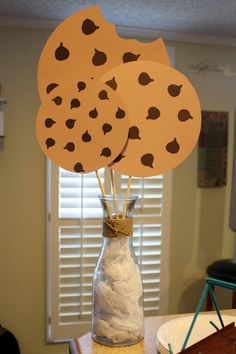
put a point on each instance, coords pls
(119, 207)
(114, 228)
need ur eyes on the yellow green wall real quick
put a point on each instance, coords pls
(199, 223)
(200, 217)
(22, 196)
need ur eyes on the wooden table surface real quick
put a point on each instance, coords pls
(85, 344)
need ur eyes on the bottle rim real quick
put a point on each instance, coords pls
(119, 197)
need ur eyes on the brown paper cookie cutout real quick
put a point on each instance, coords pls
(164, 117)
(82, 139)
(87, 44)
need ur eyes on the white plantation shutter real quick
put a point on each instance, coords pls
(74, 240)
(148, 232)
(78, 195)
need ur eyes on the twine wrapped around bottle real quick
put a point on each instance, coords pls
(117, 227)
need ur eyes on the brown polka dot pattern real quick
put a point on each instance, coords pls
(106, 128)
(106, 152)
(173, 146)
(70, 146)
(103, 95)
(184, 115)
(86, 44)
(127, 57)
(71, 138)
(144, 79)
(89, 27)
(78, 167)
(50, 142)
(70, 123)
(62, 53)
(50, 87)
(57, 100)
(147, 160)
(93, 113)
(174, 90)
(75, 103)
(164, 117)
(81, 86)
(120, 113)
(86, 137)
(99, 58)
(112, 83)
(153, 113)
(49, 122)
(134, 133)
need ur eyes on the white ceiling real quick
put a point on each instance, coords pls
(199, 17)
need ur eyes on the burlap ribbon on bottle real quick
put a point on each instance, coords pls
(117, 227)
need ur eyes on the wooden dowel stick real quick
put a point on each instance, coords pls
(114, 193)
(103, 194)
(127, 196)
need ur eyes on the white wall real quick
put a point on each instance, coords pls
(199, 232)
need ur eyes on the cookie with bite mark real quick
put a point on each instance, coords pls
(85, 44)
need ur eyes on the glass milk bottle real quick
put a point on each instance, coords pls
(117, 316)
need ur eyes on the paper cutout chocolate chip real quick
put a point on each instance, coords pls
(51, 87)
(118, 158)
(153, 113)
(99, 58)
(75, 103)
(184, 115)
(134, 133)
(94, 113)
(70, 147)
(50, 142)
(89, 27)
(174, 90)
(112, 83)
(106, 128)
(57, 100)
(103, 95)
(62, 53)
(81, 85)
(70, 123)
(144, 79)
(106, 152)
(147, 160)
(86, 137)
(128, 56)
(49, 122)
(173, 146)
(120, 114)
(78, 167)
